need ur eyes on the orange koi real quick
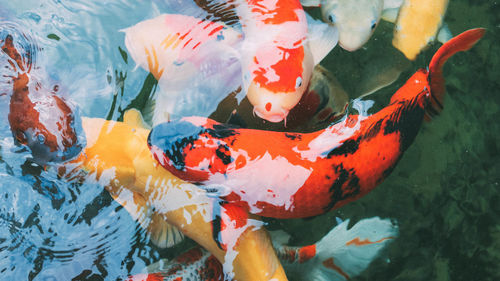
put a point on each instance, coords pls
(306, 174)
(39, 118)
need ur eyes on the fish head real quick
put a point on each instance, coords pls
(49, 126)
(277, 88)
(191, 148)
(355, 20)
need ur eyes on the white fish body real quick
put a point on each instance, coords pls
(356, 20)
(195, 62)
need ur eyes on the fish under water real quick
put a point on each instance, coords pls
(273, 66)
(166, 205)
(340, 255)
(356, 20)
(420, 22)
(39, 118)
(324, 101)
(279, 54)
(291, 175)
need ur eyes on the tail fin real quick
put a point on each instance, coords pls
(342, 254)
(461, 42)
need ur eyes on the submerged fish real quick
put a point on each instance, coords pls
(197, 62)
(289, 175)
(278, 56)
(193, 60)
(166, 206)
(323, 102)
(355, 20)
(40, 118)
(418, 23)
(341, 255)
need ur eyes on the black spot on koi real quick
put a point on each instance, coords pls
(406, 120)
(224, 154)
(345, 185)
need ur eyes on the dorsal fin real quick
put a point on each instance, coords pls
(223, 11)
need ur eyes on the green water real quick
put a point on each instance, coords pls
(445, 191)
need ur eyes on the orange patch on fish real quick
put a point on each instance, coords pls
(329, 263)
(358, 242)
(286, 70)
(284, 10)
(306, 253)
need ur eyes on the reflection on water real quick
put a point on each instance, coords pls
(444, 193)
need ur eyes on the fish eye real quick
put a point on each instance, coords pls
(41, 138)
(21, 137)
(331, 18)
(298, 82)
(374, 24)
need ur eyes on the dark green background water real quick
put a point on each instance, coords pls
(445, 191)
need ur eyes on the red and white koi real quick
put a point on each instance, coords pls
(277, 58)
(274, 55)
(306, 174)
(39, 118)
(341, 255)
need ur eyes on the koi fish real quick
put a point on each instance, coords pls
(39, 118)
(323, 102)
(417, 24)
(166, 206)
(206, 58)
(193, 60)
(277, 58)
(341, 255)
(356, 20)
(306, 174)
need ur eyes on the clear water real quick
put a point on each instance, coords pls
(444, 192)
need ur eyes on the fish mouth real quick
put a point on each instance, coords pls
(274, 117)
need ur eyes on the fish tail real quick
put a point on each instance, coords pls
(461, 42)
(341, 254)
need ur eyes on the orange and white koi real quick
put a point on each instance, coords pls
(306, 174)
(277, 58)
(341, 255)
(197, 61)
(39, 118)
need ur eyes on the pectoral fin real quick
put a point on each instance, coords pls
(322, 38)
(161, 233)
(444, 34)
